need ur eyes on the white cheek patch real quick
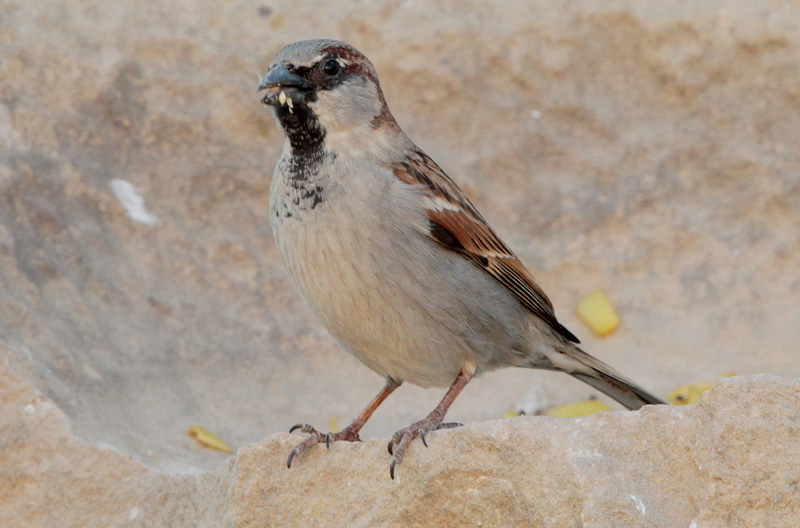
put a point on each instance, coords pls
(351, 104)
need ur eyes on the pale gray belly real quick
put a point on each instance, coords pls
(404, 306)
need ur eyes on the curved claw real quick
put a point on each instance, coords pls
(401, 440)
(291, 456)
(349, 434)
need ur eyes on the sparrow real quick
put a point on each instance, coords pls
(393, 257)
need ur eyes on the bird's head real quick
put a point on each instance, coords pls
(324, 91)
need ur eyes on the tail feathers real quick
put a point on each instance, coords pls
(610, 382)
(624, 392)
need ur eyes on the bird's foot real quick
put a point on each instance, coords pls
(348, 434)
(402, 438)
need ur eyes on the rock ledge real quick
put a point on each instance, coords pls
(732, 459)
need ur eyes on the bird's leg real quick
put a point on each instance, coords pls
(402, 438)
(349, 433)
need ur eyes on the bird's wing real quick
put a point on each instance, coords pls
(456, 224)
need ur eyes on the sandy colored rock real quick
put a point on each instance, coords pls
(49, 477)
(647, 149)
(723, 462)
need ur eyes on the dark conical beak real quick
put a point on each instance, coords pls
(280, 80)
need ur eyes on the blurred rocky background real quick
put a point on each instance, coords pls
(649, 149)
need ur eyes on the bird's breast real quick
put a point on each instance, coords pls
(400, 303)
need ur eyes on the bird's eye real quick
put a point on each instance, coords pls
(331, 67)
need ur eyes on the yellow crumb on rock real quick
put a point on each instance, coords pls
(597, 312)
(208, 439)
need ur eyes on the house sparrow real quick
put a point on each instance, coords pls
(392, 256)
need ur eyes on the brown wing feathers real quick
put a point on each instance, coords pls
(457, 225)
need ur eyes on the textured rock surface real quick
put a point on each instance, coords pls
(49, 477)
(729, 461)
(648, 148)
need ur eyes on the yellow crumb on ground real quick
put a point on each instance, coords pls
(576, 409)
(598, 313)
(208, 439)
(689, 394)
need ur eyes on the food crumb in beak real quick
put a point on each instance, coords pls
(282, 97)
(290, 104)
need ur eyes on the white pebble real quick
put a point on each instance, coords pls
(133, 203)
